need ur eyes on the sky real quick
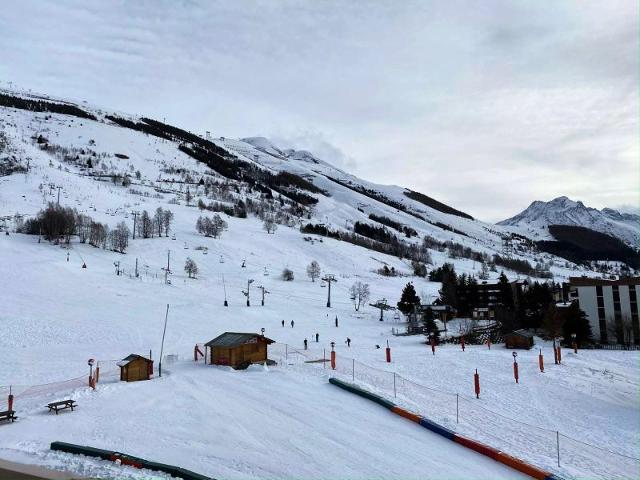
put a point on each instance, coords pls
(485, 106)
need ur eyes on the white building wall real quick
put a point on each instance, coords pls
(609, 312)
(588, 303)
(625, 302)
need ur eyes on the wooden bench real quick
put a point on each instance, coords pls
(8, 415)
(61, 405)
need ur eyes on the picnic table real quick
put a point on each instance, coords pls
(8, 415)
(61, 405)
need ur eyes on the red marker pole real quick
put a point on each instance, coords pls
(462, 342)
(476, 383)
(515, 366)
(559, 354)
(555, 353)
(541, 361)
(433, 344)
(489, 343)
(10, 399)
(333, 360)
(388, 353)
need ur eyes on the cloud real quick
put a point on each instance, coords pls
(485, 108)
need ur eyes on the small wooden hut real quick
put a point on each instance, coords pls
(519, 339)
(134, 368)
(238, 350)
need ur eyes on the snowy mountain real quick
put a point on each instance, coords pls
(535, 219)
(86, 299)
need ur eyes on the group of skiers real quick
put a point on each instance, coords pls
(317, 335)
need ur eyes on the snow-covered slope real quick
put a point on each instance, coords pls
(285, 422)
(536, 218)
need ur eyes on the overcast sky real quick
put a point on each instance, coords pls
(485, 105)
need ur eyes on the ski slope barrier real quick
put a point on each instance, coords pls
(478, 447)
(124, 459)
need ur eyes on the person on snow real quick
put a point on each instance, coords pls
(348, 342)
(305, 343)
(283, 323)
(292, 323)
(336, 320)
(317, 337)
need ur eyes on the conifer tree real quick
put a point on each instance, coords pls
(409, 299)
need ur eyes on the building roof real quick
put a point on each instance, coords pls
(233, 339)
(591, 282)
(523, 332)
(130, 358)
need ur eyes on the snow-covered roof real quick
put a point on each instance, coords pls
(233, 339)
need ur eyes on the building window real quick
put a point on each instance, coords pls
(602, 322)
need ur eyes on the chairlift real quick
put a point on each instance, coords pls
(185, 246)
(221, 259)
(173, 237)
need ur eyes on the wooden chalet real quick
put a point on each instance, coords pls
(519, 339)
(237, 350)
(134, 368)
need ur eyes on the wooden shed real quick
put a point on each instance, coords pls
(519, 339)
(238, 350)
(134, 368)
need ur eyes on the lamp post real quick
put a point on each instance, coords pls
(515, 366)
(574, 343)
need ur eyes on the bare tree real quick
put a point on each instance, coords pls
(188, 197)
(191, 268)
(158, 220)
(359, 294)
(119, 238)
(313, 271)
(269, 225)
(211, 227)
(98, 235)
(83, 227)
(167, 218)
(146, 225)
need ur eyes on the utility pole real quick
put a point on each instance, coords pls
(135, 217)
(167, 271)
(329, 278)
(59, 188)
(246, 294)
(117, 265)
(137, 275)
(264, 291)
(166, 316)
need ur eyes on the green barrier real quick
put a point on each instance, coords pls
(136, 461)
(350, 387)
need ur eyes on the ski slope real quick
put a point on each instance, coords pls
(284, 422)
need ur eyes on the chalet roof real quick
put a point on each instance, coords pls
(128, 359)
(233, 339)
(523, 332)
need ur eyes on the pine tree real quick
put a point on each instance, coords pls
(430, 324)
(409, 299)
(575, 321)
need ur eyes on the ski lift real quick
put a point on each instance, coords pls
(185, 246)
(205, 251)
(173, 237)
(266, 273)
(221, 259)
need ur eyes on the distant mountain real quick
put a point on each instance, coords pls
(540, 215)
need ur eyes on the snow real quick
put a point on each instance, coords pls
(536, 218)
(286, 421)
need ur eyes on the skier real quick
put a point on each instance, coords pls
(317, 337)
(305, 343)
(292, 323)
(283, 323)
(348, 342)
(336, 320)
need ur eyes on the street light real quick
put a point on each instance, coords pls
(262, 331)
